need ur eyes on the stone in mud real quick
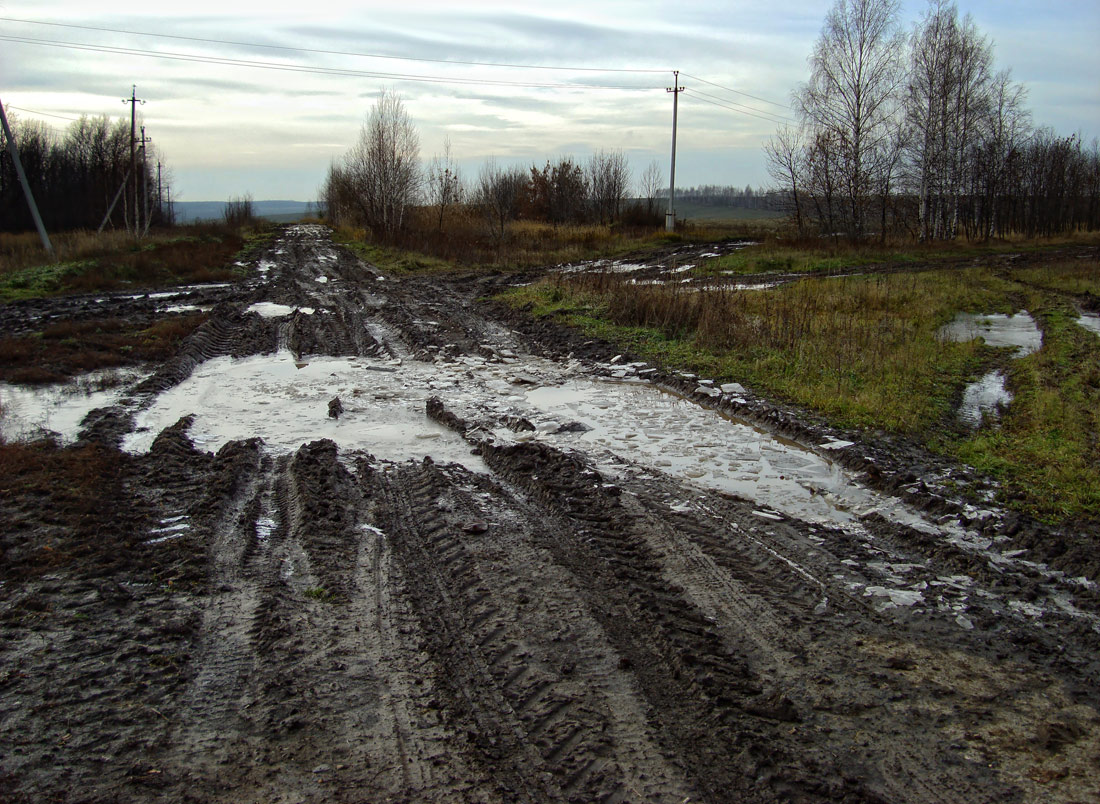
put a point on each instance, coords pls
(518, 424)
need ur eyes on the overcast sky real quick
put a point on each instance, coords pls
(227, 128)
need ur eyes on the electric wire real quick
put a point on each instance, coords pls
(284, 67)
(740, 107)
(694, 96)
(43, 114)
(735, 91)
(335, 52)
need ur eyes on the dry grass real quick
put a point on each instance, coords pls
(66, 349)
(467, 241)
(89, 262)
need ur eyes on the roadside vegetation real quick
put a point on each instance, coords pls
(67, 349)
(88, 262)
(863, 350)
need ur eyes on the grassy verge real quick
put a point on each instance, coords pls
(89, 263)
(467, 243)
(864, 352)
(776, 254)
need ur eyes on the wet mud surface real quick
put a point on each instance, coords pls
(507, 602)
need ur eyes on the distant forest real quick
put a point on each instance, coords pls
(714, 195)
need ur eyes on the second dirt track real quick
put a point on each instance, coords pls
(539, 623)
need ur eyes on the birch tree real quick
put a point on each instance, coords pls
(852, 98)
(947, 109)
(382, 170)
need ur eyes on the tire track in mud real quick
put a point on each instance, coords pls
(698, 685)
(555, 715)
(729, 659)
(769, 585)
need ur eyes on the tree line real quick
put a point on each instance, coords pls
(716, 195)
(919, 134)
(75, 177)
(380, 180)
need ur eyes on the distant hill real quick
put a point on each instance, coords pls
(283, 211)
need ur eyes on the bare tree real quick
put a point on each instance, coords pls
(608, 183)
(499, 192)
(852, 96)
(653, 182)
(786, 161)
(381, 174)
(238, 211)
(444, 183)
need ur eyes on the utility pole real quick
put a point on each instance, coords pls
(144, 185)
(133, 100)
(670, 215)
(13, 149)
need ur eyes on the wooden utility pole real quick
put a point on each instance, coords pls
(133, 100)
(13, 149)
(670, 215)
(144, 185)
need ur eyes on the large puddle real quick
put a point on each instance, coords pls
(619, 422)
(988, 395)
(673, 435)
(285, 401)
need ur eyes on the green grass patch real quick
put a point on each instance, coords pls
(1046, 451)
(321, 595)
(864, 351)
(41, 280)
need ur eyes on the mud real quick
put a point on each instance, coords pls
(221, 593)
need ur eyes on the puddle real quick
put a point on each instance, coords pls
(285, 402)
(1090, 321)
(670, 434)
(986, 396)
(28, 412)
(1018, 331)
(271, 310)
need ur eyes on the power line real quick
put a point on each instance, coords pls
(740, 107)
(43, 114)
(334, 52)
(694, 95)
(284, 67)
(737, 91)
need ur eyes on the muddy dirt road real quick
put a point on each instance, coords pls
(515, 567)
